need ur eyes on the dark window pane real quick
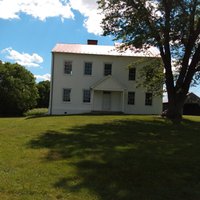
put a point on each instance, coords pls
(86, 96)
(131, 98)
(68, 67)
(107, 69)
(132, 74)
(88, 68)
(148, 99)
(66, 95)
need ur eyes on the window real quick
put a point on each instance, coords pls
(107, 69)
(68, 67)
(148, 99)
(86, 96)
(131, 75)
(66, 95)
(131, 98)
(88, 68)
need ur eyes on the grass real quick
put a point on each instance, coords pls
(36, 112)
(99, 158)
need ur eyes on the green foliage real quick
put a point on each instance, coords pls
(151, 75)
(144, 23)
(170, 25)
(44, 92)
(18, 92)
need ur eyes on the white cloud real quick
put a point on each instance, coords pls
(40, 9)
(9, 9)
(23, 59)
(44, 77)
(88, 8)
(93, 23)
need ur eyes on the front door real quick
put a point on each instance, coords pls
(106, 106)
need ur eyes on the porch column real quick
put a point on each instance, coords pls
(92, 99)
(123, 101)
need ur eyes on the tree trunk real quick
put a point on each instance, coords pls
(175, 108)
(174, 112)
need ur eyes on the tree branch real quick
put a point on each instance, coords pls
(192, 69)
(193, 35)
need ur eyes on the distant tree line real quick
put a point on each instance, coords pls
(19, 92)
(43, 92)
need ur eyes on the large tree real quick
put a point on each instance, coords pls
(43, 91)
(18, 92)
(173, 26)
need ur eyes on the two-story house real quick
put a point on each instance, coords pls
(87, 78)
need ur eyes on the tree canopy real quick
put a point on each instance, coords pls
(173, 26)
(151, 75)
(44, 92)
(18, 92)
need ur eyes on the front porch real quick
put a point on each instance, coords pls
(108, 96)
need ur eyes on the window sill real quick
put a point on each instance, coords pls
(66, 102)
(87, 75)
(86, 103)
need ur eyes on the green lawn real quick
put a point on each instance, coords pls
(99, 158)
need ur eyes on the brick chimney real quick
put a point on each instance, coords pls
(92, 42)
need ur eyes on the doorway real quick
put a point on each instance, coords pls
(106, 105)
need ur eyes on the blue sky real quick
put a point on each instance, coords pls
(31, 28)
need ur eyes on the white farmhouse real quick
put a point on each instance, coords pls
(93, 78)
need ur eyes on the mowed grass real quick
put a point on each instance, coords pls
(99, 158)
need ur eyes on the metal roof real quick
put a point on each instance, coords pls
(103, 50)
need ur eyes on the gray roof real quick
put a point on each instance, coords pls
(192, 98)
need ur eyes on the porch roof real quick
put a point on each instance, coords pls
(108, 83)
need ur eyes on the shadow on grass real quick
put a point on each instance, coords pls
(83, 114)
(124, 160)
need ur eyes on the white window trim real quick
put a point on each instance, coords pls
(151, 99)
(67, 102)
(107, 63)
(128, 99)
(84, 68)
(71, 65)
(83, 96)
(129, 73)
